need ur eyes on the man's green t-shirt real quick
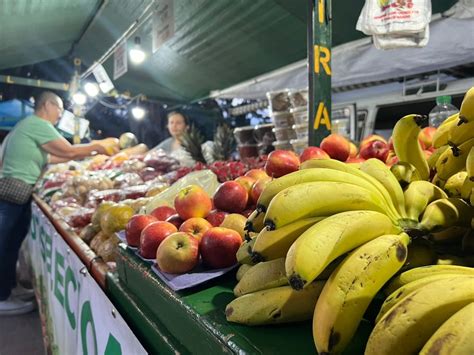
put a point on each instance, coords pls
(23, 156)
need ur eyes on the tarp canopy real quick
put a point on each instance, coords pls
(451, 44)
(13, 111)
(217, 43)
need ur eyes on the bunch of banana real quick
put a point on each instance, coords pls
(422, 308)
(406, 144)
(405, 173)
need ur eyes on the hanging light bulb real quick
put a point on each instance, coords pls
(91, 89)
(137, 55)
(138, 112)
(79, 98)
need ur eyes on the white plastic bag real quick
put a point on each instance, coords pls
(402, 41)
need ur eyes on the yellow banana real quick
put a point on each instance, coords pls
(466, 112)
(455, 336)
(468, 185)
(470, 163)
(438, 182)
(262, 276)
(450, 235)
(405, 173)
(449, 259)
(420, 253)
(331, 238)
(453, 160)
(340, 166)
(274, 244)
(435, 156)
(412, 321)
(418, 195)
(425, 271)
(401, 292)
(244, 253)
(242, 270)
(382, 174)
(350, 289)
(275, 305)
(317, 199)
(254, 223)
(445, 213)
(406, 144)
(454, 184)
(458, 134)
(440, 138)
(309, 175)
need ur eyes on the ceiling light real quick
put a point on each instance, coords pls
(91, 89)
(137, 55)
(79, 98)
(138, 112)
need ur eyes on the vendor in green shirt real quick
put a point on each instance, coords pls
(31, 144)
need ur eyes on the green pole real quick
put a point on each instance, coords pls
(319, 69)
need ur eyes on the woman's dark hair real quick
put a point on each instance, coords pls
(172, 113)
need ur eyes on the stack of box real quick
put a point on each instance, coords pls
(282, 118)
(299, 111)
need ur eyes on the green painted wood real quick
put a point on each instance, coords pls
(196, 317)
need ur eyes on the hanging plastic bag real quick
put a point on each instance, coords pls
(402, 41)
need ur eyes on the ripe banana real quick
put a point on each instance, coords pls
(420, 253)
(425, 271)
(351, 287)
(309, 175)
(466, 112)
(382, 173)
(453, 160)
(418, 195)
(241, 271)
(411, 322)
(470, 163)
(435, 156)
(406, 289)
(454, 184)
(244, 253)
(254, 223)
(316, 199)
(275, 305)
(274, 244)
(340, 166)
(445, 213)
(406, 144)
(262, 276)
(451, 235)
(438, 182)
(441, 135)
(460, 133)
(405, 173)
(468, 185)
(455, 336)
(330, 238)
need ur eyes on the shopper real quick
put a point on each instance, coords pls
(25, 152)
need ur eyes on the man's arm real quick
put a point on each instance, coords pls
(61, 148)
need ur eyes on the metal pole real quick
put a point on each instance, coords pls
(16, 80)
(319, 68)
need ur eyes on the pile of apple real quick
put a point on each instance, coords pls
(198, 226)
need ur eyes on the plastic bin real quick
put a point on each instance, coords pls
(300, 114)
(299, 145)
(285, 145)
(283, 120)
(284, 134)
(278, 101)
(301, 131)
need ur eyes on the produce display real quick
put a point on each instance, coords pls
(391, 226)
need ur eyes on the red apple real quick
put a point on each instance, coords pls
(313, 153)
(178, 253)
(246, 182)
(390, 144)
(231, 197)
(219, 246)
(192, 201)
(256, 174)
(176, 220)
(216, 217)
(152, 236)
(353, 151)
(258, 187)
(355, 160)
(370, 138)
(391, 158)
(247, 212)
(163, 212)
(195, 226)
(281, 162)
(336, 146)
(426, 136)
(375, 149)
(135, 226)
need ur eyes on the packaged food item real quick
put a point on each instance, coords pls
(300, 114)
(298, 97)
(263, 133)
(248, 150)
(285, 145)
(301, 131)
(299, 145)
(282, 119)
(244, 135)
(284, 133)
(278, 101)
